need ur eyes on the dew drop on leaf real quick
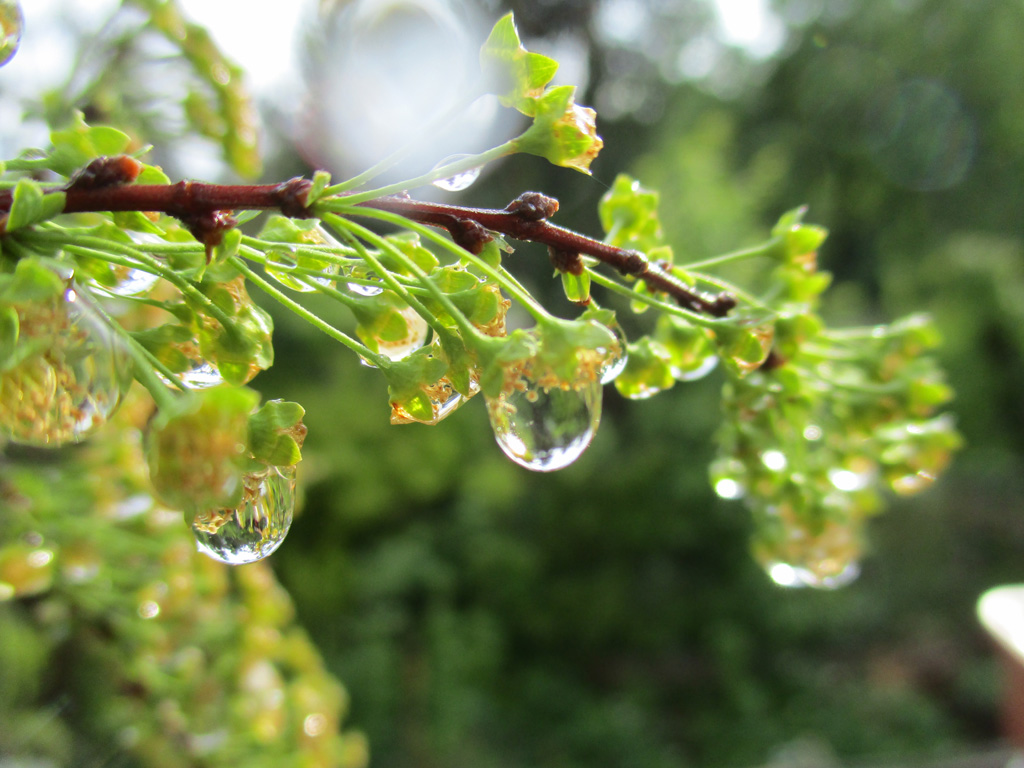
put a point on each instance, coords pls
(73, 384)
(256, 527)
(459, 181)
(545, 429)
(12, 22)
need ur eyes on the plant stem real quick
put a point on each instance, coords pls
(763, 249)
(467, 328)
(465, 164)
(381, 361)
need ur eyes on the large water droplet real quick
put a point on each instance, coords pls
(67, 390)
(546, 429)
(256, 527)
(12, 22)
(459, 181)
(416, 336)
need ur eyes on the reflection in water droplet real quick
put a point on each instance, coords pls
(416, 335)
(848, 480)
(284, 264)
(728, 488)
(12, 22)
(256, 527)
(68, 389)
(699, 369)
(912, 483)
(201, 375)
(546, 429)
(825, 575)
(365, 290)
(617, 358)
(459, 181)
(774, 460)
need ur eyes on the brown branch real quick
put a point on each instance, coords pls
(526, 219)
(205, 209)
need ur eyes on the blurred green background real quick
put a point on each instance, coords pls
(610, 614)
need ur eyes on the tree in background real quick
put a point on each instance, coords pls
(553, 364)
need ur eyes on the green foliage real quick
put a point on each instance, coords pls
(519, 590)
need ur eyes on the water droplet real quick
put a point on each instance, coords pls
(914, 482)
(727, 478)
(286, 265)
(546, 429)
(774, 460)
(12, 22)
(256, 527)
(813, 432)
(459, 181)
(361, 289)
(701, 368)
(849, 480)
(417, 331)
(200, 374)
(615, 362)
(444, 400)
(69, 389)
(729, 488)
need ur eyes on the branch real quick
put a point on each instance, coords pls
(525, 218)
(205, 210)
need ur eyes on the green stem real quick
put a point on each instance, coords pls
(764, 249)
(671, 309)
(473, 161)
(145, 366)
(98, 248)
(499, 276)
(381, 361)
(465, 326)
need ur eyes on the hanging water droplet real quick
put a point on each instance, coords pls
(615, 362)
(459, 181)
(444, 399)
(256, 527)
(417, 331)
(12, 22)
(72, 386)
(546, 429)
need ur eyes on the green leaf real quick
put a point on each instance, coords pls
(30, 205)
(629, 215)
(515, 75)
(78, 144)
(562, 131)
(276, 432)
(576, 287)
